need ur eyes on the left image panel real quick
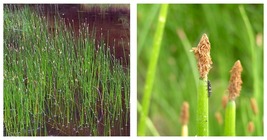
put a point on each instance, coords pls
(66, 70)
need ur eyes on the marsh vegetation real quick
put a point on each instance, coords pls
(64, 73)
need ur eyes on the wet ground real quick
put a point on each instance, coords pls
(112, 25)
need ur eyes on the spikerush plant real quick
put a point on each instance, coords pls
(184, 118)
(152, 69)
(177, 74)
(234, 89)
(202, 53)
(56, 84)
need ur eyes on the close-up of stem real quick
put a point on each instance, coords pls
(193, 65)
(152, 69)
(234, 89)
(202, 109)
(230, 116)
(202, 54)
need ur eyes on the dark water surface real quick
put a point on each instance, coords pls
(111, 24)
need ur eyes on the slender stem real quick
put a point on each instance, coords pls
(253, 48)
(149, 123)
(203, 109)
(152, 69)
(145, 30)
(254, 61)
(229, 128)
(184, 131)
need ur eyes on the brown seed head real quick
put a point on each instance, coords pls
(202, 53)
(218, 117)
(184, 115)
(234, 87)
(251, 127)
(254, 105)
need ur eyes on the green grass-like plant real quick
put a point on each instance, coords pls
(234, 89)
(235, 32)
(230, 119)
(152, 70)
(202, 53)
(203, 109)
(59, 83)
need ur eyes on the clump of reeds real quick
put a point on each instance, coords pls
(59, 84)
(234, 89)
(184, 118)
(202, 54)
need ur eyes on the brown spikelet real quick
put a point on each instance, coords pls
(224, 101)
(184, 115)
(202, 53)
(251, 127)
(234, 87)
(254, 105)
(218, 117)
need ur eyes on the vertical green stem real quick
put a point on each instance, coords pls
(152, 69)
(145, 30)
(255, 63)
(229, 128)
(203, 109)
(253, 50)
(149, 123)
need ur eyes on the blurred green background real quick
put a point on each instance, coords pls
(231, 39)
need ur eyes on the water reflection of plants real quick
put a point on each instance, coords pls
(59, 84)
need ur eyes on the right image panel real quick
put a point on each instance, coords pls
(200, 69)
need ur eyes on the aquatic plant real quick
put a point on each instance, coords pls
(177, 77)
(58, 82)
(234, 89)
(202, 53)
(152, 69)
(184, 117)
